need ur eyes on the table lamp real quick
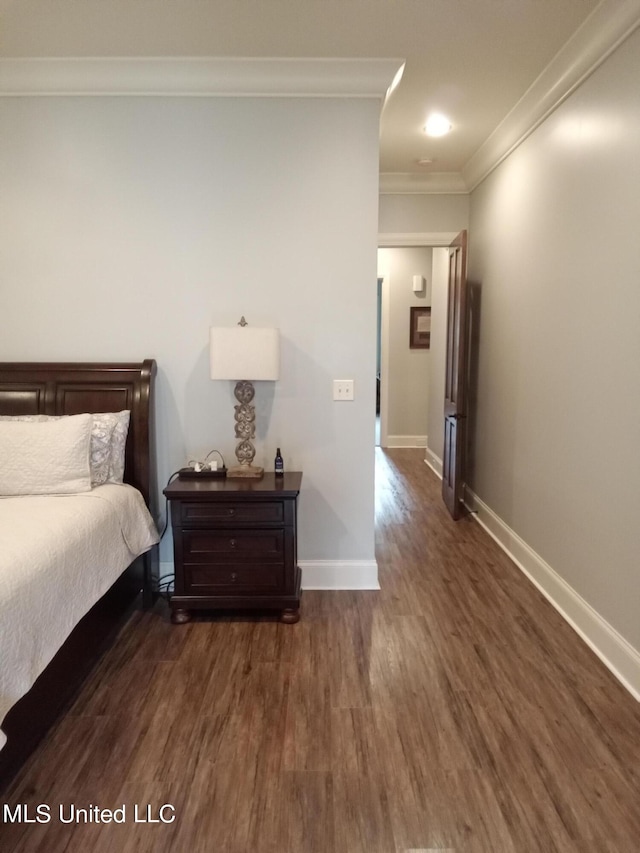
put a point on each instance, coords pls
(244, 354)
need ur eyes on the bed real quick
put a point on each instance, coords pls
(69, 562)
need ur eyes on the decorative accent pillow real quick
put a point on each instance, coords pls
(118, 444)
(100, 448)
(108, 439)
(46, 457)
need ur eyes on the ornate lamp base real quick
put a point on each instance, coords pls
(245, 415)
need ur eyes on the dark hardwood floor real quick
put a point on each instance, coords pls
(452, 711)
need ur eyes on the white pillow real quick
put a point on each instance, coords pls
(108, 440)
(45, 458)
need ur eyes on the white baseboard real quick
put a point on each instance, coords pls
(406, 441)
(619, 656)
(434, 462)
(326, 574)
(339, 574)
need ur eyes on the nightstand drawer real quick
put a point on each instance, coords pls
(231, 578)
(213, 546)
(202, 514)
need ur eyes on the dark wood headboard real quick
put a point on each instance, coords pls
(66, 388)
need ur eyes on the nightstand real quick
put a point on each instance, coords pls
(235, 545)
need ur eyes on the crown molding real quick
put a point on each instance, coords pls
(435, 239)
(610, 23)
(409, 183)
(199, 77)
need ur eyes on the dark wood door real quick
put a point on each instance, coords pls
(455, 397)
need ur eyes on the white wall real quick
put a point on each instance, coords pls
(447, 212)
(129, 225)
(407, 373)
(554, 247)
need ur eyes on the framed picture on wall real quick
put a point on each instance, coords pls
(420, 328)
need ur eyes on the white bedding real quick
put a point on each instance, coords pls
(58, 556)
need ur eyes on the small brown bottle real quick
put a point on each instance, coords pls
(278, 464)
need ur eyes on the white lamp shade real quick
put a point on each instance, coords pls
(244, 352)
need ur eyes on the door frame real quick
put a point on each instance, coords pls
(455, 390)
(399, 240)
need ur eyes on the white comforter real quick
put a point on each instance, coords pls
(58, 556)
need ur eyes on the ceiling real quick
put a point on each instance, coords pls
(471, 59)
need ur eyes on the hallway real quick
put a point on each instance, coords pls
(454, 711)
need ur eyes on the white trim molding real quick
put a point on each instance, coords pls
(406, 441)
(434, 462)
(199, 77)
(339, 574)
(612, 649)
(437, 239)
(610, 23)
(410, 183)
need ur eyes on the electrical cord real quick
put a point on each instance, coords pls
(166, 506)
(163, 584)
(166, 581)
(205, 465)
(206, 458)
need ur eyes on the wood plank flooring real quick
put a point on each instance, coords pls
(452, 711)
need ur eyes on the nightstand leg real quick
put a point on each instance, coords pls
(290, 615)
(179, 616)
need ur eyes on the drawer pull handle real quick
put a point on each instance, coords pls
(233, 543)
(232, 511)
(234, 576)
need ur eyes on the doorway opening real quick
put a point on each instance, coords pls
(411, 380)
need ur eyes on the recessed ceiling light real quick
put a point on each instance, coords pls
(424, 161)
(437, 125)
